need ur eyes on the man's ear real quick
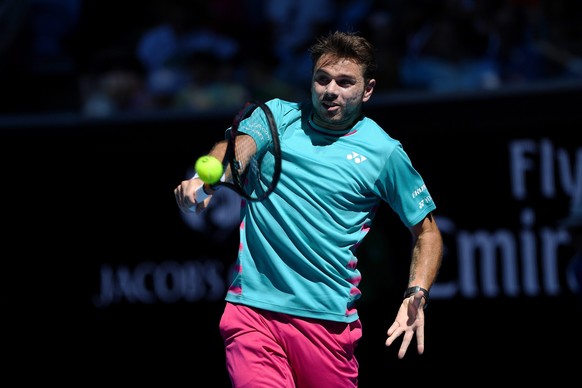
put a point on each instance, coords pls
(368, 90)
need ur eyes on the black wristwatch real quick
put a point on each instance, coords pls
(413, 290)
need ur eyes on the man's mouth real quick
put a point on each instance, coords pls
(329, 105)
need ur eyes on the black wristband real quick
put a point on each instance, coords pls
(413, 290)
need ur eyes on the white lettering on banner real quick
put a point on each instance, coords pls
(526, 155)
(501, 263)
(165, 282)
(505, 262)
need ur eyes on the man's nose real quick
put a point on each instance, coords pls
(331, 89)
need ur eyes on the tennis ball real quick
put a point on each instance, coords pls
(209, 169)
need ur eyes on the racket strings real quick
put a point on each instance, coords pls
(254, 160)
(256, 175)
(247, 164)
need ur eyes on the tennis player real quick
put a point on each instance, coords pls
(290, 318)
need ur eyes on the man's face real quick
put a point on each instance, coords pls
(338, 92)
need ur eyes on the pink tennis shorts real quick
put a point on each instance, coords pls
(270, 350)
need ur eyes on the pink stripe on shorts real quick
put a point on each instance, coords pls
(270, 350)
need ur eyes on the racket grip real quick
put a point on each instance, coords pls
(201, 195)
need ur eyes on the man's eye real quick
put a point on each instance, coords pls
(322, 80)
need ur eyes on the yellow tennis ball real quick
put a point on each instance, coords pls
(209, 169)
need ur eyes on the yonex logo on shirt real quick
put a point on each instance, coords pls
(356, 157)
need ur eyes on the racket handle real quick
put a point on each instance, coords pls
(201, 195)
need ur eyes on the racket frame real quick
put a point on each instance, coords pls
(229, 160)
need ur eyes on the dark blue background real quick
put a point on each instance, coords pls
(80, 193)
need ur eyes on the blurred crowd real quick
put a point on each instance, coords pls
(101, 57)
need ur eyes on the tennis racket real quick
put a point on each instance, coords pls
(252, 173)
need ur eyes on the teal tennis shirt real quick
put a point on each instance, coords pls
(297, 251)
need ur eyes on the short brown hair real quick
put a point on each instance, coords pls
(347, 45)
